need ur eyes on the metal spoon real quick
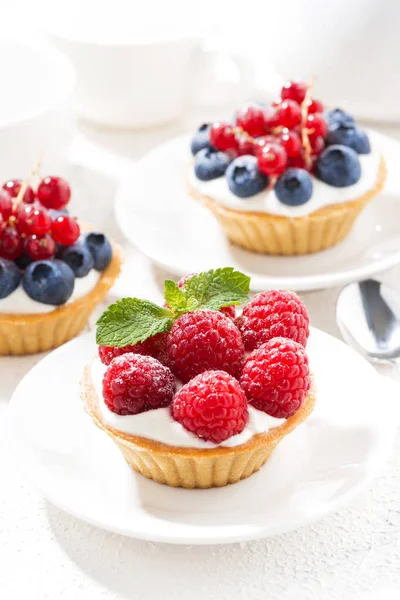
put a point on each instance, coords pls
(368, 317)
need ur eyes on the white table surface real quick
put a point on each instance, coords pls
(47, 554)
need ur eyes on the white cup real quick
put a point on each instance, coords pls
(36, 108)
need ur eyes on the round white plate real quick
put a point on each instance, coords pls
(314, 471)
(159, 217)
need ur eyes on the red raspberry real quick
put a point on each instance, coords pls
(155, 346)
(133, 384)
(204, 340)
(276, 377)
(212, 405)
(276, 313)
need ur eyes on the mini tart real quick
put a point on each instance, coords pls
(29, 334)
(192, 467)
(271, 234)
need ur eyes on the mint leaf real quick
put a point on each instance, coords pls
(217, 288)
(174, 296)
(130, 320)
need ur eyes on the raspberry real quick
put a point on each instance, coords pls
(276, 313)
(154, 346)
(212, 405)
(204, 340)
(133, 384)
(276, 377)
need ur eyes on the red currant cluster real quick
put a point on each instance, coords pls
(30, 222)
(290, 133)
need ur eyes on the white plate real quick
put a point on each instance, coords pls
(157, 215)
(314, 471)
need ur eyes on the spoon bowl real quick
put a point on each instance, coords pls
(368, 317)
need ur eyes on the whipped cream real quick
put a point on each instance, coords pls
(267, 202)
(20, 303)
(158, 424)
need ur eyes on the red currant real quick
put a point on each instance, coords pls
(315, 106)
(289, 114)
(251, 119)
(65, 230)
(222, 137)
(271, 119)
(12, 186)
(299, 162)
(271, 159)
(317, 143)
(265, 139)
(5, 205)
(294, 90)
(245, 145)
(40, 247)
(33, 219)
(316, 125)
(54, 192)
(291, 142)
(11, 243)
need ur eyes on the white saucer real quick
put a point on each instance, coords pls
(156, 214)
(313, 472)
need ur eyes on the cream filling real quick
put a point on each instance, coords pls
(20, 303)
(158, 424)
(267, 202)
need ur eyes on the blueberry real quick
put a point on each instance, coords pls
(23, 261)
(78, 257)
(338, 166)
(100, 249)
(294, 187)
(49, 282)
(338, 117)
(351, 136)
(201, 139)
(10, 277)
(209, 164)
(244, 178)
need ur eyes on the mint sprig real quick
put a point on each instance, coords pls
(131, 320)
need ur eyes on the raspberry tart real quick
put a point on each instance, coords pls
(286, 179)
(193, 395)
(52, 275)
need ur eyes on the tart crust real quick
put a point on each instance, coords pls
(32, 333)
(273, 234)
(192, 467)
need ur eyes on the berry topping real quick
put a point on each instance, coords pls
(317, 144)
(133, 384)
(276, 377)
(315, 106)
(291, 142)
(338, 166)
(100, 248)
(351, 136)
(78, 257)
(23, 261)
(251, 119)
(201, 139)
(155, 346)
(294, 187)
(271, 159)
(245, 145)
(40, 247)
(49, 282)
(276, 313)
(54, 192)
(10, 277)
(338, 117)
(244, 177)
(11, 243)
(294, 90)
(209, 164)
(289, 114)
(229, 311)
(316, 125)
(13, 187)
(204, 340)
(65, 230)
(5, 204)
(212, 406)
(222, 137)
(33, 219)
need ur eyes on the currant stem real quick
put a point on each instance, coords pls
(25, 184)
(304, 114)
